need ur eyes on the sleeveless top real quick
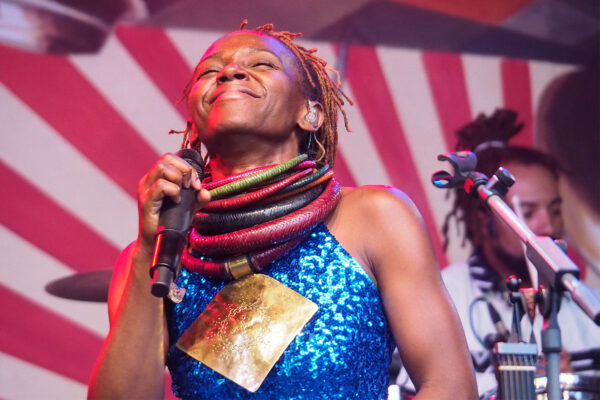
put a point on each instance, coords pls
(343, 352)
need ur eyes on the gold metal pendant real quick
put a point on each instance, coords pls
(246, 328)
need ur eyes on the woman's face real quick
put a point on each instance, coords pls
(246, 83)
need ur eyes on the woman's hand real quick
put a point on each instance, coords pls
(132, 362)
(165, 179)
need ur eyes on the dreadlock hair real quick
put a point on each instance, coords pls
(317, 85)
(488, 138)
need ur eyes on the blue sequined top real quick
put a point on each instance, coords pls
(343, 352)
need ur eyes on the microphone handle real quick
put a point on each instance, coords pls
(174, 221)
(173, 224)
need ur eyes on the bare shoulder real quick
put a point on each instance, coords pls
(375, 223)
(375, 205)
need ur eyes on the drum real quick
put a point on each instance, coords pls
(581, 386)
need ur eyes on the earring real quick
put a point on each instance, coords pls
(311, 117)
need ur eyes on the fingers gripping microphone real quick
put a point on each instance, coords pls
(173, 224)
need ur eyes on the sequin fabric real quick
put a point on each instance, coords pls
(342, 353)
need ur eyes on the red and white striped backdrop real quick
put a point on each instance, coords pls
(79, 131)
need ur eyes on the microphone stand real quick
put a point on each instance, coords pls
(555, 268)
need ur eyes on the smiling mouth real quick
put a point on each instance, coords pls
(232, 94)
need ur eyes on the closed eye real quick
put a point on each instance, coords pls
(267, 64)
(206, 72)
(555, 211)
(527, 211)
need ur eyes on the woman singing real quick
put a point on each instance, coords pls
(264, 106)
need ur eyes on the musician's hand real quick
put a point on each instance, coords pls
(166, 178)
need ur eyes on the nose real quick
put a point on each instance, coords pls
(231, 72)
(546, 225)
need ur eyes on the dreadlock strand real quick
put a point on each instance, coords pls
(338, 80)
(332, 98)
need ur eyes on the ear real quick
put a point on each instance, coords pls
(310, 118)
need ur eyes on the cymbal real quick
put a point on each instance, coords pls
(86, 286)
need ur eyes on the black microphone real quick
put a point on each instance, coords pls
(501, 334)
(173, 224)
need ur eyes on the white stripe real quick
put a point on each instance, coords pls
(26, 270)
(118, 77)
(541, 75)
(484, 83)
(20, 380)
(192, 44)
(359, 150)
(357, 147)
(413, 102)
(34, 150)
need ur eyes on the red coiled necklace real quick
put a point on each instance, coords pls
(256, 217)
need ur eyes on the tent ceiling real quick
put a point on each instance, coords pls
(552, 30)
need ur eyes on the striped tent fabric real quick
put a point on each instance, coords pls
(79, 131)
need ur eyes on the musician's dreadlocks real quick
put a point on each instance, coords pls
(488, 138)
(318, 86)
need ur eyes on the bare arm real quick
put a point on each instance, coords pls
(132, 362)
(396, 250)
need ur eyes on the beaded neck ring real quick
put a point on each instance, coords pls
(256, 217)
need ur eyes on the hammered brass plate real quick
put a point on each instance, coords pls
(246, 328)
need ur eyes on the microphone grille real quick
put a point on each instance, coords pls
(193, 158)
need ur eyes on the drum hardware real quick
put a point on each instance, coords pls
(573, 386)
(515, 371)
(586, 360)
(85, 286)
(515, 360)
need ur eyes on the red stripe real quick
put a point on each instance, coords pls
(342, 172)
(38, 336)
(168, 388)
(375, 102)
(160, 59)
(516, 89)
(447, 82)
(40, 220)
(55, 90)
